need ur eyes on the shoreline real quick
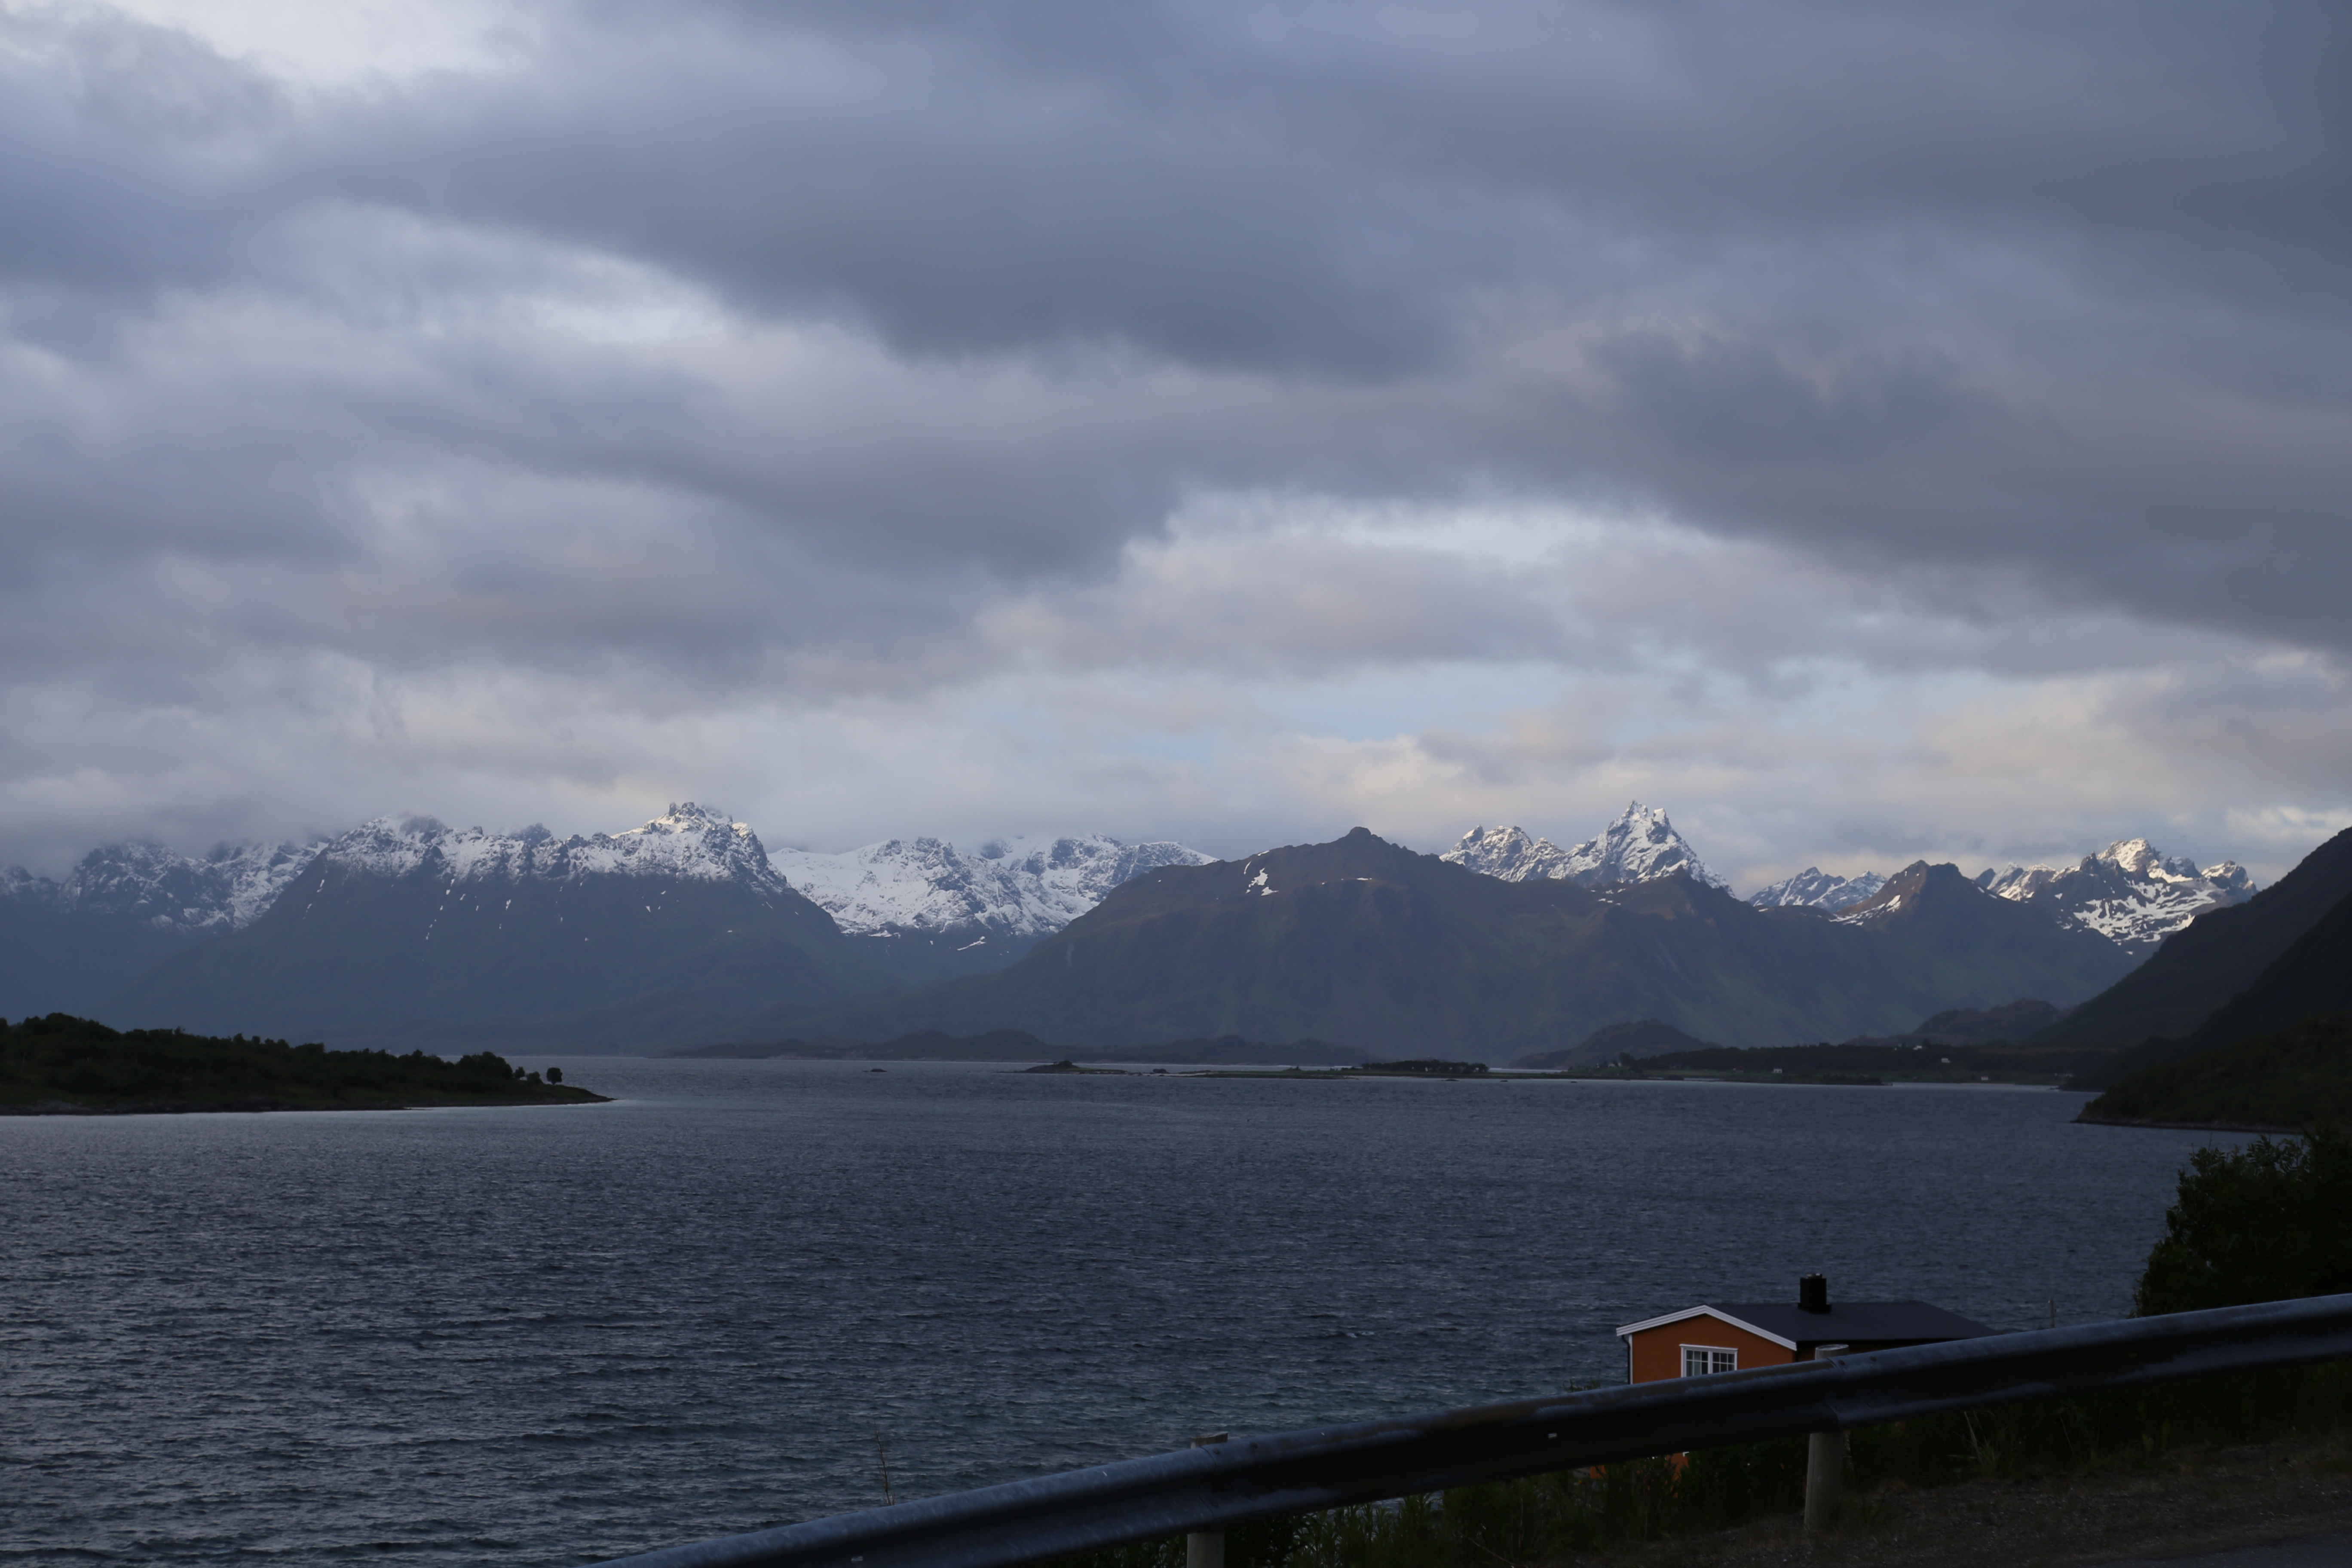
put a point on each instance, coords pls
(2086, 1119)
(248, 1107)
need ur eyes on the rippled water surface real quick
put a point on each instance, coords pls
(554, 1335)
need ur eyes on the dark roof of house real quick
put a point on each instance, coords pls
(1854, 1323)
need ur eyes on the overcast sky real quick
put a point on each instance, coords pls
(1866, 431)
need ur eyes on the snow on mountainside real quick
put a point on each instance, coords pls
(223, 891)
(1639, 845)
(1508, 854)
(2127, 892)
(1014, 888)
(691, 843)
(1822, 889)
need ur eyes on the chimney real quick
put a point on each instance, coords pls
(1812, 1293)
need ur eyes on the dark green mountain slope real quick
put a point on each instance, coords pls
(2219, 954)
(2283, 1079)
(1376, 948)
(348, 951)
(2314, 976)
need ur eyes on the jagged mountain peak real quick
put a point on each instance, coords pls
(1508, 853)
(1820, 889)
(1640, 845)
(2130, 892)
(1905, 887)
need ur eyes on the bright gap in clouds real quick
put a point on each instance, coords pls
(345, 43)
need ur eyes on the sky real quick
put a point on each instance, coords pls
(1868, 432)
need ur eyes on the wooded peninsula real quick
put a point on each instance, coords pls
(62, 1065)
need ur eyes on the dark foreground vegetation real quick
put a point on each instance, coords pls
(1615, 1508)
(2299, 1077)
(2267, 1223)
(64, 1064)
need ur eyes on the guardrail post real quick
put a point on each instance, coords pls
(1206, 1548)
(1824, 1468)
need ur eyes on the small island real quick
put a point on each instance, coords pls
(61, 1065)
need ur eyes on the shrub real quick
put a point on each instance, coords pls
(2271, 1222)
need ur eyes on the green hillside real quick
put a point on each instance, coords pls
(2313, 976)
(2293, 1078)
(63, 1063)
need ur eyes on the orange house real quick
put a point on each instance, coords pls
(1714, 1338)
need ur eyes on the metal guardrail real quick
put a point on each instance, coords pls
(1254, 1478)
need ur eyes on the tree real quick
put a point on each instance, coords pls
(2268, 1223)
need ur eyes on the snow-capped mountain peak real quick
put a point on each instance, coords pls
(223, 890)
(690, 842)
(1821, 889)
(1639, 845)
(1013, 889)
(1508, 854)
(2130, 892)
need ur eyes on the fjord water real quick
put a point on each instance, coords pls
(551, 1335)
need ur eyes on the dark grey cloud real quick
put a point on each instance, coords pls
(853, 352)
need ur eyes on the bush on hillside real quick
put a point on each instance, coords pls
(2271, 1222)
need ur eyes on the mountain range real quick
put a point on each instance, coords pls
(1370, 945)
(2128, 892)
(527, 922)
(687, 931)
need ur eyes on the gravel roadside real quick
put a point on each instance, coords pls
(2185, 1505)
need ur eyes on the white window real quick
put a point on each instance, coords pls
(1700, 1359)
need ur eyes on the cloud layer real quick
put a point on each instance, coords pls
(1867, 433)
